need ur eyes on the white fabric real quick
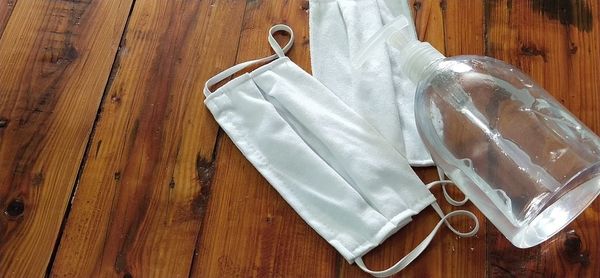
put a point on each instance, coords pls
(335, 169)
(378, 91)
(406, 260)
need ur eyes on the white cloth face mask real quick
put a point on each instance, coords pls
(335, 170)
(378, 91)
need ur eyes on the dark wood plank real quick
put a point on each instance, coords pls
(249, 230)
(56, 58)
(6, 8)
(143, 191)
(557, 43)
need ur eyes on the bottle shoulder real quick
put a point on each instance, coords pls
(471, 68)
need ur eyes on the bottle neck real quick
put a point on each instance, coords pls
(417, 57)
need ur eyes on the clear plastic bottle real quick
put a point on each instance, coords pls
(526, 162)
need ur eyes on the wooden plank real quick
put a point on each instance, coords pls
(56, 58)
(143, 190)
(464, 34)
(249, 230)
(6, 8)
(557, 43)
(464, 27)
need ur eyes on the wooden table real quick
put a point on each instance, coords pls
(110, 165)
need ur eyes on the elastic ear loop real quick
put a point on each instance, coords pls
(443, 181)
(279, 53)
(455, 203)
(447, 196)
(410, 257)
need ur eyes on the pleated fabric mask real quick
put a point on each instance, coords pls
(378, 91)
(333, 168)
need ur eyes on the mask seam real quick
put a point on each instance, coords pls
(382, 233)
(243, 77)
(422, 204)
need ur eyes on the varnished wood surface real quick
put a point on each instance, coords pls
(56, 57)
(111, 166)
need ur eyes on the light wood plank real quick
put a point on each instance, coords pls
(249, 230)
(56, 58)
(557, 43)
(143, 191)
(6, 8)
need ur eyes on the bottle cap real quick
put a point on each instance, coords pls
(415, 56)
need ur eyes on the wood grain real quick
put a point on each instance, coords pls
(249, 230)
(6, 8)
(161, 192)
(56, 57)
(464, 33)
(143, 190)
(557, 43)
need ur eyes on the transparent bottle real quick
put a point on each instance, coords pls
(526, 162)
